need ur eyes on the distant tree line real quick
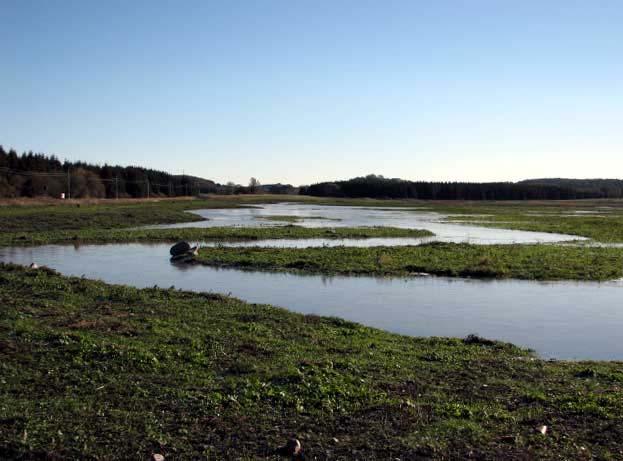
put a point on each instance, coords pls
(605, 188)
(375, 186)
(33, 174)
(284, 189)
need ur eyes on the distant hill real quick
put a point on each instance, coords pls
(375, 186)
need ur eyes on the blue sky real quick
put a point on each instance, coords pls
(302, 91)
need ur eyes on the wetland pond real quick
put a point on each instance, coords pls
(564, 320)
(350, 216)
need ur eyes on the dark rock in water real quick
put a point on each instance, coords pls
(186, 256)
(179, 248)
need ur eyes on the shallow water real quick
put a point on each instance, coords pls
(566, 320)
(348, 216)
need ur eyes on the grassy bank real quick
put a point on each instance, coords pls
(100, 214)
(197, 234)
(89, 370)
(533, 262)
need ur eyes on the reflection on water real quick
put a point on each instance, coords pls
(562, 319)
(348, 216)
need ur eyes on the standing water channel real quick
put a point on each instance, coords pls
(564, 320)
(351, 216)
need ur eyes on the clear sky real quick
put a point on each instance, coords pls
(304, 91)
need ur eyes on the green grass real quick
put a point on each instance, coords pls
(95, 371)
(200, 234)
(534, 262)
(107, 215)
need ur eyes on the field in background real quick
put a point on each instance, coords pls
(601, 220)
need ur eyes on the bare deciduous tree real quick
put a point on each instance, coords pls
(254, 184)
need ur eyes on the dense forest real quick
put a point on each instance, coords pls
(32, 174)
(379, 187)
(606, 188)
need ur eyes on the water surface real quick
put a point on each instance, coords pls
(566, 320)
(349, 216)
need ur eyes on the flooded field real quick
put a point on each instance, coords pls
(349, 216)
(565, 320)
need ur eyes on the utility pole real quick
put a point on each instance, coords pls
(68, 185)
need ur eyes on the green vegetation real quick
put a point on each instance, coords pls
(200, 234)
(539, 262)
(100, 215)
(90, 370)
(293, 219)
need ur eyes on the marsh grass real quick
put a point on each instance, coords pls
(96, 371)
(530, 262)
(202, 234)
